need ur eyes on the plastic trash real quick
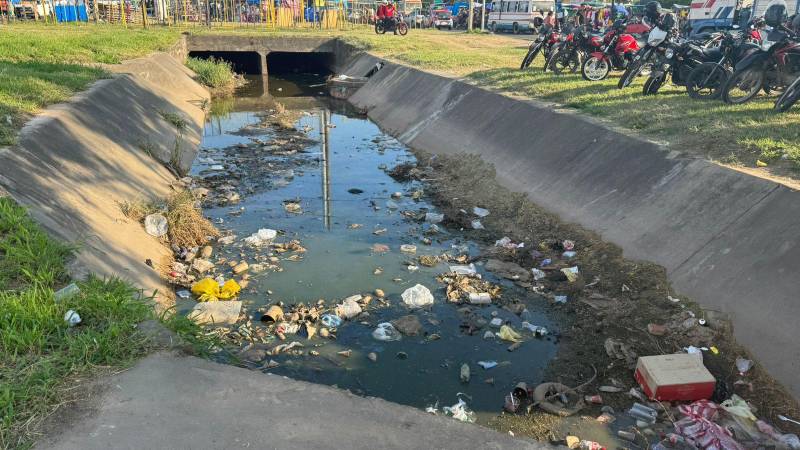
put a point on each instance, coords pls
(480, 298)
(535, 329)
(209, 290)
(569, 254)
(480, 212)
(743, 365)
(433, 217)
(408, 248)
(331, 320)
(546, 262)
(464, 375)
(487, 364)
(66, 292)
(459, 411)
(568, 245)
(262, 237)
(496, 322)
(391, 204)
(274, 314)
(349, 308)
(508, 334)
(538, 274)
(476, 225)
(644, 413)
(571, 273)
(506, 242)
(488, 335)
(560, 299)
(72, 318)
(183, 293)
(156, 225)
(463, 270)
(386, 332)
(737, 406)
(417, 296)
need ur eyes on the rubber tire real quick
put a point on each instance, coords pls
(632, 71)
(549, 61)
(574, 65)
(586, 62)
(402, 28)
(493, 27)
(379, 29)
(515, 28)
(700, 73)
(789, 97)
(733, 81)
(652, 85)
(530, 56)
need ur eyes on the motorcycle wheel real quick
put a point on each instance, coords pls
(564, 63)
(530, 56)
(595, 69)
(743, 86)
(402, 28)
(652, 85)
(789, 97)
(633, 69)
(548, 63)
(705, 82)
(379, 29)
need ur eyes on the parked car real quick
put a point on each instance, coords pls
(416, 19)
(443, 19)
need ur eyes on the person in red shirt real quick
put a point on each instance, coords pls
(386, 15)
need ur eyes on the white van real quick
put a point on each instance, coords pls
(518, 15)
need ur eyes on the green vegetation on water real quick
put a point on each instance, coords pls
(216, 74)
(40, 355)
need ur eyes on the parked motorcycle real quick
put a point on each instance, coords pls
(657, 41)
(789, 96)
(771, 69)
(707, 79)
(393, 24)
(544, 43)
(571, 52)
(613, 51)
(676, 63)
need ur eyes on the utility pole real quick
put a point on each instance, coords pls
(471, 15)
(483, 14)
(144, 13)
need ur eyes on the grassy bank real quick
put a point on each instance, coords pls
(216, 74)
(41, 357)
(45, 64)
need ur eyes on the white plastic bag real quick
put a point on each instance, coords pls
(386, 332)
(417, 296)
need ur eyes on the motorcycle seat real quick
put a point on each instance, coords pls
(711, 53)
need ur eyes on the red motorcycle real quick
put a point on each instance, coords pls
(614, 51)
(543, 43)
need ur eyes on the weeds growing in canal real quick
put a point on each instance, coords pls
(214, 73)
(187, 227)
(41, 357)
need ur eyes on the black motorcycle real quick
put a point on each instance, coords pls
(676, 62)
(544, 43)
(657, 42)
(571, 52)
(789, 97)
(395, 24)
(705, 82)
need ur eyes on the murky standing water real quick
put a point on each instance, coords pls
(350, 152)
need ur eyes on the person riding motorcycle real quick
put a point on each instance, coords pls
(652, 13)
(386, 14)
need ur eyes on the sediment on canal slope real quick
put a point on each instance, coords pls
(76, 161)
(728, 240)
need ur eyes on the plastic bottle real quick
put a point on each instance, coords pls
(590, 445)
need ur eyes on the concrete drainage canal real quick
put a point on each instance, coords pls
(332, 241)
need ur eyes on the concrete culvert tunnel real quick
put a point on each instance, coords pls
(247, 63)
(299, 62)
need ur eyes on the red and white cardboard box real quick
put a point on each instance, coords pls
(674, 377)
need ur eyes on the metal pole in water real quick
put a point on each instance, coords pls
(326, 182)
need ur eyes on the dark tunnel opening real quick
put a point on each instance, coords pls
(248, 63)
(285, 63)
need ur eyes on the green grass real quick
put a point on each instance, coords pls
(211, 72)
(45, 64)
(41, 358)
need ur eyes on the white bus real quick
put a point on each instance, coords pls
(518, 15)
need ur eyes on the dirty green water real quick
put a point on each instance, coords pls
(339, 261)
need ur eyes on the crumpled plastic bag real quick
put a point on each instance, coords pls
(208, 290)
(699, 426)
(459, 411)
(736, 406)
(507, 333)
(386, 332)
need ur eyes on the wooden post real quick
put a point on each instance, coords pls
(143, 4)
(470, 17)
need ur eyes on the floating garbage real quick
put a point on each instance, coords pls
(487, 364)
(331, 320)
(571, 273)
(535, 329)
(464, 374)
(496, 322)
(417, 296)
(209, 290)
(463, 269)
(506, 242)
(391, 204)
(743, 365)
(480, 298)
(349, 307)
(408, 248)
(560, 299)
(386, 332)
(72, 318)
(433, 217)
(262, 237)
(476, 225)
(156, 225)
(569, 254)
(538, 274)
(183, 293)
(508, 334)
(480, 212)
(459, 411)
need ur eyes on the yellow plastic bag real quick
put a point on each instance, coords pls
(229, 290)
(508, 334)
(208, 290)
(737, 406)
